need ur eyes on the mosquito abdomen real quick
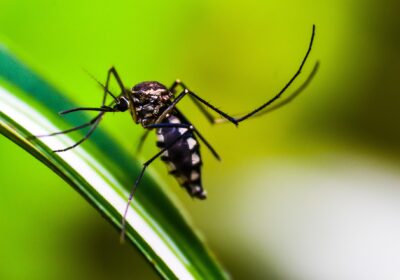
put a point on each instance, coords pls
(183, 159)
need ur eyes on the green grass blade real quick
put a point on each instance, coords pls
(102, 172)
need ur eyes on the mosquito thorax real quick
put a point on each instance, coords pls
(149, 100)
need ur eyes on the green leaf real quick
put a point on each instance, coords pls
(102, 172)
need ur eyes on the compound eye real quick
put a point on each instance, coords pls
(122, 105)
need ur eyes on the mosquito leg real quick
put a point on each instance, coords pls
(178, 125)
(293, 95)
(112, 71)
(176, 83)
(212, 150)
(201, 103)
(101, 109)
(103, 87)
(88, 134)
(138, 179)
(200, 106)
(106, 88)
(225, 115)
(69, 130)
(171, 106)
(183, 94)
(95, 121)
(141, 141)
(236, 121)
(286, 86)
(283, 102)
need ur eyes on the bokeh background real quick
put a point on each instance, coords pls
(311, 191)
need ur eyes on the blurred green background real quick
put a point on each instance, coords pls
(311, 191)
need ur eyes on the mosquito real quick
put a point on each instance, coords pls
(154, 106)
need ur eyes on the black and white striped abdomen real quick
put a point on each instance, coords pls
(182, 158)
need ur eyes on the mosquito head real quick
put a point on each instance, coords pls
(149, 99)
(122, 104)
